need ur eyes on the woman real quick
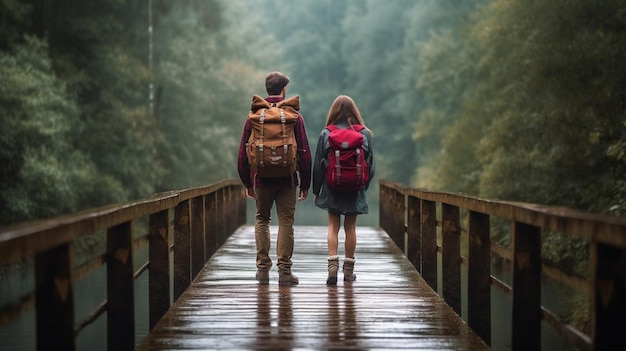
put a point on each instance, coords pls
(343, 114)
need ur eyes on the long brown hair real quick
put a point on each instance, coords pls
(344, 109)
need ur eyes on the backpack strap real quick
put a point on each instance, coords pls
(283, 120)
(331, 128)
(260, 149)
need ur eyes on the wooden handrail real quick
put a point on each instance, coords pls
(203, 217)
(414, 218)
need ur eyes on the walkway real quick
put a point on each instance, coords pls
(388, 307)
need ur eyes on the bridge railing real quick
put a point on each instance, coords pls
(427, 224)
(190, 224)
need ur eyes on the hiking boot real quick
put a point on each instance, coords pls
(263, 276)
(348, 270)
(285, 277)
(333, 267)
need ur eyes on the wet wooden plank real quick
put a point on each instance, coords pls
(389, 306)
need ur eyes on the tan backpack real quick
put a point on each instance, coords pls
(272, 147)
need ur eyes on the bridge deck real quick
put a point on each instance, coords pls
(388, 307)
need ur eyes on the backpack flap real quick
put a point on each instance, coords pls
(347, 169)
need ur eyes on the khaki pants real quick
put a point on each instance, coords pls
(285, 199)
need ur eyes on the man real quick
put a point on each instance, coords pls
(282, 191)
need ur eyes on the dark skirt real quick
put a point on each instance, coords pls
(346, 203)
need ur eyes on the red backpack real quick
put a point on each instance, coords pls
(347, 169)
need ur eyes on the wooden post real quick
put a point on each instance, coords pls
(120, 288)
(231, 214)
(383, 215)
(526, 334)
(429, 243)
(159, 256)
(210, 217)
(479, 276)
(398, 219)
(608, 295)
(414, 233)
(197, 236)
(221, 217)
(55, 299)
(451, 256)
(242, 206)
(182, 249)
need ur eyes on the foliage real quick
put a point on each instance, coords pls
(95, 48)
(580, 317)
(543, 119)
(539, 114)
(78, 130)
(42, 174)
(571, 254)
(519, 100)
(309, 44)
(204, 77)
(367, 50)
(14, 18)
(450, 123)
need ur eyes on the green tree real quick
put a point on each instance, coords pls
(538, 113)
(450, 119)
(563, 88)
(97, 48)
(204, 65)
(42, 175)
(374, 48)
(115, 147)
(14, 21)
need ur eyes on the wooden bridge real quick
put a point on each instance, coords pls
(202, 293)
(389, 307)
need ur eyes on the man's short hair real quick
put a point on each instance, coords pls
(275, 82)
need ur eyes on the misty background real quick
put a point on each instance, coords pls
(105, 101)
(511, 99)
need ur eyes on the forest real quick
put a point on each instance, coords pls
(113, 100)
(105, 101)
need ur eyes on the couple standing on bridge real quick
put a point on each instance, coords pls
(281, 189)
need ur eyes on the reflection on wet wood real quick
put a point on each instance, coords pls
(389, 306)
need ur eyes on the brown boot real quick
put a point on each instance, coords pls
(333, 267)
(348, 270)
(263, 276)
(285, 277)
